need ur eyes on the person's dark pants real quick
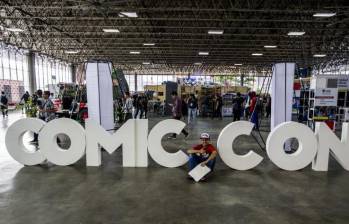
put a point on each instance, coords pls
(268, 110)
(218, 113)
(36, 135)
(136, 113)
(195, 160)
(143, 112)
(236, 115)
(184, 132)
(128, 116)
(4, 110)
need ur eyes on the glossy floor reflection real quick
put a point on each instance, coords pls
(112, 194)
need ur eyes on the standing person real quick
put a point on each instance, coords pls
(177, 112)
(145, 106)
(237, 107)
(204, 153)
(192, 108)
(4, 104)
(135, 106)
(39, 102)
(140, 105)
(128, 106)
(254, 110)
(184, 107)
(218, 106)
(24, 100)
(268, 107)
(48, 109)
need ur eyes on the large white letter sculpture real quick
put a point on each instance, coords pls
(48, 141)
(329, 141)
(132, 136)
(305, 152)
(14, 141)
(157, 152)
(225, 141)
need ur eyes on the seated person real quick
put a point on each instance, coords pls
(204, 153)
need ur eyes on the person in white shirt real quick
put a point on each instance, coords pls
(128, 106)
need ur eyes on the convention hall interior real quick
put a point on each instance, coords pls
(174, 111)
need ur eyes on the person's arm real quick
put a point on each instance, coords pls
(192, 151)
(211, 157)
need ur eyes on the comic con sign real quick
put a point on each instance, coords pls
(137, 144)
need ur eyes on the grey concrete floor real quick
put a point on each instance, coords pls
(112, 194)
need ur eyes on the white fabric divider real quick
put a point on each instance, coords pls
(100, 93)
(282, 93)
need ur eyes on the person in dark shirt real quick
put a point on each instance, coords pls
(218, 106)
(203, 154)
(177, 112)
(237, 107)
(4, 104)
(192, 108)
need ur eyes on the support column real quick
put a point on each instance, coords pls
(73, 73)
(136, 89)
(31, 71)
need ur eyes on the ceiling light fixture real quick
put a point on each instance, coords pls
(148, 44)
(237, 64)
(324, 14)
(319, 55)
(71, 51)
(256, 54)
(135, 52)
(203, 53)
(13, 29)
(129, 14)
(270, 46)
(296, 33)
(111, 30)
(197, 63)
(146, 63)
(216, 32)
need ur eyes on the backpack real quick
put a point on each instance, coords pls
(4, 100)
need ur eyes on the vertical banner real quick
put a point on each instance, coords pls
(99, 87)
(282, 93)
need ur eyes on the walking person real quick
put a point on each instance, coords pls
(192, 108)
(4, 104)
(177, 112)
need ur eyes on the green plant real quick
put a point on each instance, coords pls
(31, 109)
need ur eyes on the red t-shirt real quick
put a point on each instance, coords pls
(253, 104)
(209, 148)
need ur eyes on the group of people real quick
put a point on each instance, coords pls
(135, 106)
(212, 106)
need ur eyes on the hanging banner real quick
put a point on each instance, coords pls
(326, 97)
